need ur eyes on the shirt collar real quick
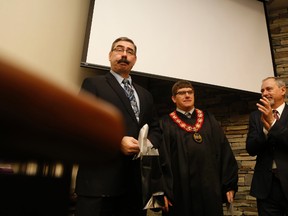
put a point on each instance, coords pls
(280, 109)
(183, 112)
(120, 78)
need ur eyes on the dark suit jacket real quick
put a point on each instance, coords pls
(122, 176)
(275, 146)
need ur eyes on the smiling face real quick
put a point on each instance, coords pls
(184, 99)
(273, 91)
(122, 57)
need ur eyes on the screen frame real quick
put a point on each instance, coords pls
(104, 68)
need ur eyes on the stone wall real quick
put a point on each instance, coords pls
(278, 23)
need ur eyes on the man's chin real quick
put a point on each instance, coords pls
(272, 102)
(124, 67)
(123, 70)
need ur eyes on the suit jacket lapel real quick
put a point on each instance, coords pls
(121, 93)
(284, 115)
(141, 101)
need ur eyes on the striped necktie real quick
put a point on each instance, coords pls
(275, 114)
(130, 94)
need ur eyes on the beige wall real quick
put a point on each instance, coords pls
(46, 36)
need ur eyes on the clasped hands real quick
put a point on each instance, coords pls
(265, 108)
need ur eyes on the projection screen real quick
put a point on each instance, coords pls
(217, 42)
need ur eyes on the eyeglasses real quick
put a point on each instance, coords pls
(120, 49)
(190, 92)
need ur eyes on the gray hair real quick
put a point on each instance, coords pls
(280, 83)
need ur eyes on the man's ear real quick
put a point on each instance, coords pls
(110, 53)
(173, 99)
(283, 89)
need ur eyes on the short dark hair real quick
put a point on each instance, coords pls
(124, 39)
(181, 84)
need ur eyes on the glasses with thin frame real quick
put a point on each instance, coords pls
(121, 50)
(182, 93)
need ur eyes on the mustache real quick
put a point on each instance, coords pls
(124, 60)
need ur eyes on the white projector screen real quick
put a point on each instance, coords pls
(217, 42)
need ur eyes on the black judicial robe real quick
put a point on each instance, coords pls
(197, 175)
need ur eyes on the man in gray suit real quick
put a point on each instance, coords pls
(115, 188)
(268, 139)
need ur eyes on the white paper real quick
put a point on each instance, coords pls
(146, 147)
(154, 202)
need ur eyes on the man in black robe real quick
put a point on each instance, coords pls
(199, 167)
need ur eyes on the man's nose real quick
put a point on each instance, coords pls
(124, 53)
(264, 92)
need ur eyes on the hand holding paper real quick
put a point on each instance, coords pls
(146, 147)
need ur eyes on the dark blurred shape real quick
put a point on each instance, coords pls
(42, 122)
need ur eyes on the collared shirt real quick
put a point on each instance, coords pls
(183, 112)
(279, 110)
(120, 79)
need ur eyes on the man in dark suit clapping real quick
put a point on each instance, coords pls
(114, 189)
(268, 139)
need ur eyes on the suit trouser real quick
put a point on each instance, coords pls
(276, 204)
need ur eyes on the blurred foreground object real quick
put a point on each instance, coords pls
(40, 120)
(44, 123)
